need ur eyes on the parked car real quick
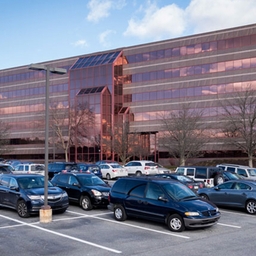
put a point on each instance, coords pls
(90, 168)
(12, 162)
(190, 183)
(158, 199)
(57, 167)
(25, 194)
(162, 169)
(210, 175)
(29, 168)
(112, 171)
(143, 167)
(6, 169)
(86, 189)
(246, 171)
(234, 193)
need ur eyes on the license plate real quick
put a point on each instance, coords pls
(195, 187)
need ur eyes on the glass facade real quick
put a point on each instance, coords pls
(137, 83)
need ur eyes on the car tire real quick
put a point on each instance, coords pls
(86, 203)
(251, 206)
(176, 223)
(138, 173)
(204, 196)
(108, 177)
(119, 213)
(22, 209)
(218, 179)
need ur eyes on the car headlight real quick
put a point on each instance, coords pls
(35, 197)
(64, 194)
(191, 214)
(96, 192)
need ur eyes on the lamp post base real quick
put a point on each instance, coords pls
(45, 214)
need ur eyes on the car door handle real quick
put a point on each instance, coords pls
(142, 202)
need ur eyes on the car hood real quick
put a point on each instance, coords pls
(40, 191)
(198, 204)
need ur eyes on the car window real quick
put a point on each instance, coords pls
(231, 169)
(180, 171)
(5, 181)
(242, 172)
(252, 172)
(226, 185)
(115, 166)
(62, 178)
(201, 173)
(239, 186)
(13, 183)
(154, 191)
(150, 164)
(72, 180)
(190, 171)
(138, 191)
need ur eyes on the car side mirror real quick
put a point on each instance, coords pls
(162, 198)
(14, 188)
(76, 184)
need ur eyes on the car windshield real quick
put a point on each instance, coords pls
(90, 180)
(252, 172)
(231, 176)
(179, 191)
(32, 182)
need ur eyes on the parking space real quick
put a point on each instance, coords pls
(95, 232)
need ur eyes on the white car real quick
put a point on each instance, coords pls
(112, 170)
(29, 168)
(142, 167)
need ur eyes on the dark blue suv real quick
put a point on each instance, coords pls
(162, 200)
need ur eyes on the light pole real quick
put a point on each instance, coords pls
(46, 212)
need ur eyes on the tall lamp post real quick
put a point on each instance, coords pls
(46, 211)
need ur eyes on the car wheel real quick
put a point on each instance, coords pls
(251, 206)
(175, 223)
(119, 213)
(218, 179)
(108, 176)
(22, 209)
(85, 203)
(204, 196)
(138, 173)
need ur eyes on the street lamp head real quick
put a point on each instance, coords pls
(37, 67)
(60, 71)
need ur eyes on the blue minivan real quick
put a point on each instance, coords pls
(162, 200)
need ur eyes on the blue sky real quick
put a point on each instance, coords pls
(34, 31)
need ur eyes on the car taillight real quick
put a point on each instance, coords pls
(146, 167)
(113, 170)
(190, 186)
(201, 185)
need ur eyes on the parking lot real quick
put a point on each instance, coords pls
(78, 232)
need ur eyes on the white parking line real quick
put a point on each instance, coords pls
(62, 235)
(227, 225)
(130, 225)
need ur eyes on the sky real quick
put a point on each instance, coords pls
(34, 31)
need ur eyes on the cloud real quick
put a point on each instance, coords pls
(158, 23)
(80, 43)
(219, 14)
(99, 9)
(168, 21)
(104, 37)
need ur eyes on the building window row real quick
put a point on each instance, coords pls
(191, 91)
(193, 49)
(33, 91)
(193, 70)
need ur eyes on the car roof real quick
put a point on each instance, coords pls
(149, 178)
(77, 173)
(21, 175)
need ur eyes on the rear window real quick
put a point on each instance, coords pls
(201, 173)
(124, 186)
(150, 164)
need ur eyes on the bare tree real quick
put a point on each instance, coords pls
(183, 133)
(240, 122)
(4, 133)
(71, 125)
(122, 142)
